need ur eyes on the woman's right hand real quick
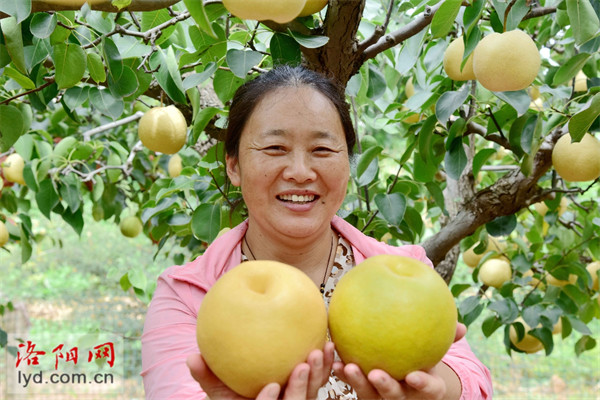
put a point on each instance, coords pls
(304, 382)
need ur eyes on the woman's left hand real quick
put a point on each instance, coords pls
(304, 383)
(438, 383)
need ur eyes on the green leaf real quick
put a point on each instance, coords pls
(19, 9)
(206, 222)
(519, 100)
(75, 219)
(96, 67)
(366, 158)
(545, 336)
(70, 62)
(506, 309)
(455, 160)
(502, 226)
(13, 39)
(309, 41)
(137, 278)
(18, 77)
(242, 61)
(126, 85)
(490, 325)
(76, 96)
(198, 12)
(570, 68)
(584, 20)
(201, 121)
(426, 138)
(194, 80)
(480, 158)
(473, 13)
(42, 25)
(518, 10)
(163, 205)
(585, 343)
(69, 191)
(11, 126)
(443, 20)
(225, 84)
(391, 206)
(106, 103)
(449, 102)
(377, 83)
(169, 77)
(46, 197)
(581, 122)
(285, 50)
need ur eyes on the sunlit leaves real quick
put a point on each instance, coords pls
(70, 62)
(584, 20)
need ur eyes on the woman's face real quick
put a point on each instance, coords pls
(292, 165)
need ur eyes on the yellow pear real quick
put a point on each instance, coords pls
(528, 344)
(472, 259)
(495, 271)
(380, 318)
(506, 61)
(453, 58)
(542, 208)
(409, 88)
(577, 162)
(312, 6)
(3, 234)
(551, 280)
(280, 11)
(593, 268)
(174, 167)
(131, 226)
(257, 322)
(580, 84)
(12, 168)
(163, 129)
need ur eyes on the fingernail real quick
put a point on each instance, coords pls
(274, 391)
(416, 380)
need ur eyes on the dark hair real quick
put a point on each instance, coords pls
(251, 92)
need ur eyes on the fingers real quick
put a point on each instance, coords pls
(297, 385)
(320, 363)
(352, 375)
(198, 368)
(461, 331)
(429, 386)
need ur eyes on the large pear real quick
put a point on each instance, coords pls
(259, 321)
(392, 313)
(506, 61)
(280, 11)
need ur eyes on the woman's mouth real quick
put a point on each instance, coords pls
(298, 199)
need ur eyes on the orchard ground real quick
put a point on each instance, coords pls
(74, 287)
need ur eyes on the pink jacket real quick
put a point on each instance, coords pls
(170, 328)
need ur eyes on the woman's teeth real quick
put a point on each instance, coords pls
(297, 198)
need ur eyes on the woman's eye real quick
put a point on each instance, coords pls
(274, 149)
(323, 150)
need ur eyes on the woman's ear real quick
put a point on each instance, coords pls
(233, 170)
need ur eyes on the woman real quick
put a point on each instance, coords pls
(289, 141)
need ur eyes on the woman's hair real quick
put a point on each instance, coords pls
(250, 93)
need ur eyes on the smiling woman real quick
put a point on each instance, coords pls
(289, 139)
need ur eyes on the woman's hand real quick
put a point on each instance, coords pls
(438, 383)
(304, 382)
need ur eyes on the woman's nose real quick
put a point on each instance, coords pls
(300, 168)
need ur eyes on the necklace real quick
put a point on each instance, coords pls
(322, 286)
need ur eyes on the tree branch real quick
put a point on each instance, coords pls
(111, 125)
(508, 195)
(397, 37)
(539, 12)
(379, 30)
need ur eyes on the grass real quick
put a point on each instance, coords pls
(71, 284)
